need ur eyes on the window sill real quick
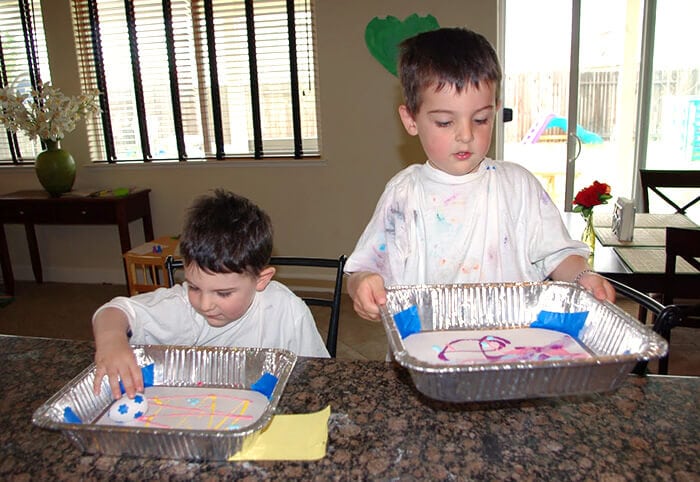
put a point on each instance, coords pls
(210, 164)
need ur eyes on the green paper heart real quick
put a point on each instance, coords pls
(383, 36)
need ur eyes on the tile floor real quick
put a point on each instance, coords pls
(64, 310)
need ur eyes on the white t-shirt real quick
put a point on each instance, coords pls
(494, 225)
(277, 318)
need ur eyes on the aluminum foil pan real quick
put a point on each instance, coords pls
(217, 367)
(616, 340)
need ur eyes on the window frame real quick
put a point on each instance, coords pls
(92, 75)
(35, 54)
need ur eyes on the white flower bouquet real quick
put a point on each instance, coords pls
(46, 112)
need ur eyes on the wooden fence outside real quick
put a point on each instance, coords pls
(538, 93)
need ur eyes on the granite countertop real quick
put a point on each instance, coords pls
(381, 428)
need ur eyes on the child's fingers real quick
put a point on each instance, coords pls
(359, 307)
(371, 295)
(114, 385)
(606, 292)
(130, 384)
(100, 373)
(137, 379)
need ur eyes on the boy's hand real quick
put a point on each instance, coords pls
(113, 354)
(575, 268)
(116, 359)
(367, 292)
(599, 286)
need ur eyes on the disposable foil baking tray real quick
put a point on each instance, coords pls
(219, 367)
(616, 340)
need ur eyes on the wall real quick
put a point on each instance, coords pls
(317, 208)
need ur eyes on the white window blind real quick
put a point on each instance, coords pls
(23, 64)
(199, 79)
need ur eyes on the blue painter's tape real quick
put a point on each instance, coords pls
(69, 416)
(146, 373)
(265, 384)
(569, 323)
(407, 321)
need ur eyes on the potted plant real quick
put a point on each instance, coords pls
(48, 114)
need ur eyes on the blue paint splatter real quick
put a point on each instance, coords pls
(382, 247)
(440, 217)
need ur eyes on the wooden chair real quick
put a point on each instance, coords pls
(145, 265)
(309, 292)
(681, 243)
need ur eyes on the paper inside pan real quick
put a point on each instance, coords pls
(615, 339)
(219, 367)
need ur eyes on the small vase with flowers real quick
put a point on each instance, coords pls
(588, 197)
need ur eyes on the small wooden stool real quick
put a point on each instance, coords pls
(145, 264)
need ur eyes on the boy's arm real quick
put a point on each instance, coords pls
(576, 269)
(113, 354)
(367, 292)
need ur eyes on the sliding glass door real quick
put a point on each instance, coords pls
(536, 71)
(673, 133)
(572, 77)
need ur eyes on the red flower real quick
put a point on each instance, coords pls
(596, 193)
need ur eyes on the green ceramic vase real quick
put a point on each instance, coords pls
(55, 168)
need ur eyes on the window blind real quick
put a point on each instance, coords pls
(199, 79)
(23, 64)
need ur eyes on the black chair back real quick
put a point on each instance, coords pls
(682, 243)
(654, 181)
(332, 301)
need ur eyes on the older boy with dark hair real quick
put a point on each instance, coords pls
(460, 217)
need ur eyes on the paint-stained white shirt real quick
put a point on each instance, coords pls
(494, 225)
(277, 318)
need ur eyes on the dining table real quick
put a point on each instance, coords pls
(639, 263)
(382, 428)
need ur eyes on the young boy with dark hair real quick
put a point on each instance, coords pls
(228, 297)
(460, 217)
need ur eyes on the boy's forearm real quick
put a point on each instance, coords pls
(110, 324)
(352, 283)
(570, 268)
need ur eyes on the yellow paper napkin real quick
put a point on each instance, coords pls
(290, 437)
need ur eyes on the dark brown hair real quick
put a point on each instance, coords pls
(226, 233)
(448, 56)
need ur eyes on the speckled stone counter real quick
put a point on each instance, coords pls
(381, 428)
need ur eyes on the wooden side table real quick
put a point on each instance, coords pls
(38, 207)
